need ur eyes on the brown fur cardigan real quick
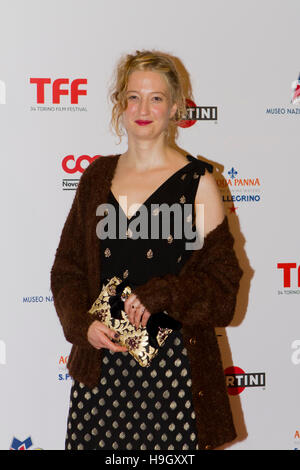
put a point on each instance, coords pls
(202, 297)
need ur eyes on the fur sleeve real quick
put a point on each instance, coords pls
(68, 278)
(204, 292)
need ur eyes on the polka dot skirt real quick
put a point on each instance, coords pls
(134, 407)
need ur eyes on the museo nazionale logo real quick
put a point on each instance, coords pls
(294, 100)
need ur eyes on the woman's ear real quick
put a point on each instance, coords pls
(173, 110)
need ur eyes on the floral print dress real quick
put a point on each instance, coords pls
(135, 407)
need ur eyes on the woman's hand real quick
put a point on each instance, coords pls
(98, 336)
(137, 313)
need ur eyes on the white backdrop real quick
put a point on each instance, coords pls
(242, 59)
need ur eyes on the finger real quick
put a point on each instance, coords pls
(128, 303)
(112, 346)
(139, 311)
(105, 333)
(145, 318)
(132, 313)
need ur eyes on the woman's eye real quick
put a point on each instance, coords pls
(132, 97)
(157, 98)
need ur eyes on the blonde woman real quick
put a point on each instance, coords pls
(179, 402)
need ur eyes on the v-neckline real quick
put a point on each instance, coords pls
(155, 191)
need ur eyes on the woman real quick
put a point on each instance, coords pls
(132, 407)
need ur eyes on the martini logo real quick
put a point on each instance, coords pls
(22, 445)
(237, 380)
(198, 113)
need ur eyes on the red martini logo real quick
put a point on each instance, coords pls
(198, 113)
(237, 380)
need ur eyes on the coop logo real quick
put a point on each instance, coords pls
(2, 92)
(22, 445)
(237, 380)
(62, 366)
(198, 113)
(290, 278)
(236, 189)
(294, 100)
(72, 165)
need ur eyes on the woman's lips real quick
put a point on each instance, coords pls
(143, 123)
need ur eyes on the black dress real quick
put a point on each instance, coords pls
(135, 407)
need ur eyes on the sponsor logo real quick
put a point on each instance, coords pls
(237, 380)
(294, 100)
(72, 165)
(198, 113)
(236, 189)
(52, 93)
(16, 444)
(296, 91)
(297, 439)
(37, 299)
(290, 277)
(63, 374)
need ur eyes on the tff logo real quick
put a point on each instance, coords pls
(56, 90)
(237, 380)
(198, 113)
(287, 267)
(76, 165)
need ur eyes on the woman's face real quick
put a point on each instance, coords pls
(149, 100)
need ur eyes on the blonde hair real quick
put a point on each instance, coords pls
(146, 60)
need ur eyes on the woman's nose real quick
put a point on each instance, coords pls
(144, 106)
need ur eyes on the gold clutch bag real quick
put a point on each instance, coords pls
(142, 343)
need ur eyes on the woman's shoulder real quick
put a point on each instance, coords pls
(99, 165)
(202, 166)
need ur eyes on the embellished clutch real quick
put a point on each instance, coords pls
(142, 343)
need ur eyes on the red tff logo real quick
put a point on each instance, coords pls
(57, 91)
(287, 273)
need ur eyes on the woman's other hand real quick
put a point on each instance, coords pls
(99, 336)
(136, 311)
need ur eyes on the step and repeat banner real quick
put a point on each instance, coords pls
(56, 65)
